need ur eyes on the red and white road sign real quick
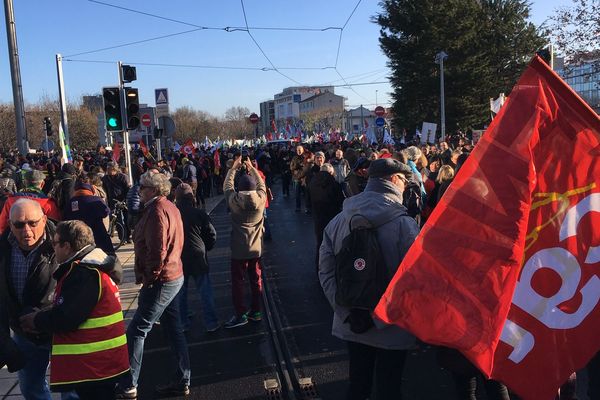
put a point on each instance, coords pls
(253, 118)
(379, 111)
(146, 121)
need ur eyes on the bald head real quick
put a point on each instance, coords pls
(27, 206)
(27, 223)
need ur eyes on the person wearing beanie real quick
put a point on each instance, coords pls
(374, 348)
(247, 206)
(86, 206)
(200, 237)
(356, 181)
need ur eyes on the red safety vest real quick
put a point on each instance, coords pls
(97, 350)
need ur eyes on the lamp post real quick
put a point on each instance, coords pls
(376, 104)
(439, 59)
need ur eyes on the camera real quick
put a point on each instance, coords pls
(245, 156)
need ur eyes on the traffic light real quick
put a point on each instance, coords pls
(132, 102)
(112, 109)
(129, 73)
(48, 126)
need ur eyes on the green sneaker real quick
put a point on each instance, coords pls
(254, 316)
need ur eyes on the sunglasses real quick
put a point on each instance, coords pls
(21, 224)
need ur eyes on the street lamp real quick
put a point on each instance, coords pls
(376, 97)
(439, 59)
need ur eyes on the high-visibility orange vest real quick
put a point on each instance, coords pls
(97, 350)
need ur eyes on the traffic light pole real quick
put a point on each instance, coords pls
(124, 119)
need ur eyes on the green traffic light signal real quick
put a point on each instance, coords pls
(112, 109)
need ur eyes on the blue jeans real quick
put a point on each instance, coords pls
(32, 378)
(158, 301)
(204, 288)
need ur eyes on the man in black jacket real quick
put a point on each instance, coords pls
(27, 262)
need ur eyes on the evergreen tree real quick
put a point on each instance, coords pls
(488, 42)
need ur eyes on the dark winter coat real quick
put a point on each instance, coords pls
(38, 291)
(200, 238)
(116, 187)
(92, 210)
(326, 197)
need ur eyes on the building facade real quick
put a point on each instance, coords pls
(325, 102)
(358, 119)
(287, 103)
(267, 114)
(584, 78)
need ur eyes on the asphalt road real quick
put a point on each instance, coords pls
(233, 364)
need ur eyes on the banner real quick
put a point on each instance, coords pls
(428, 132)
(116, 152)
(507, 267)
(64, 146)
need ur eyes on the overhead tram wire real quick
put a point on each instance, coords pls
(225, 28)
(260, 48)
(135, 42)
(342, 32)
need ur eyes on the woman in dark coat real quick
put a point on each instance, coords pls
(326, 199)
(200, 237)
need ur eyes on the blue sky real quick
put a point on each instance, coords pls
(70, 27)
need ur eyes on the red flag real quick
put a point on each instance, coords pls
(188, 147)
(366, 124)
(507, 267)
(116, 152)
(144, 148)
(217, 159)
(273, 126)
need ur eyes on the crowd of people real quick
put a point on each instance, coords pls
(59, 293)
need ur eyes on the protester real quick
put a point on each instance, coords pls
(377, 355)
(327, 198)
(33, 181)
(27, 246)
(200, 237)
(86, 314)
(247, 206)
(297, 166)
(158, 244)
(356, 181)
(89, 208)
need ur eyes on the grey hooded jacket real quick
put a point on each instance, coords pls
(381, 204)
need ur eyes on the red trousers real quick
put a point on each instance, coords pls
(239, 270)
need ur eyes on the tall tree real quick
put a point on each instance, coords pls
(488, 43)
(575, 31)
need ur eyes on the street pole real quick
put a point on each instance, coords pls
(376, 103)
(124, 119)
(62, 101)
(439, 59)
(15, 73)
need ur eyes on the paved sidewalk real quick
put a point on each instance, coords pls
(9, 388)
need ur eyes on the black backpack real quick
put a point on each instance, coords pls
(360, 271)
(412, 199)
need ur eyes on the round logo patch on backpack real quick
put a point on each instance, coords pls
(359, 264)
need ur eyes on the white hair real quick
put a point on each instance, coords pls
(24, 203)
(160, 182)
(413, 153)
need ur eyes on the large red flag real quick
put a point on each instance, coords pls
(507, 267)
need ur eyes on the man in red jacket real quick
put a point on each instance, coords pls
(34, 181)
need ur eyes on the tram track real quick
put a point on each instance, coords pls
(290, 383)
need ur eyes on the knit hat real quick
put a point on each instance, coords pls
(386, 167)
(82, 185)
(246, 183)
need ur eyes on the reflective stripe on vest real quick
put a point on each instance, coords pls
(102, 321)
(85, 348)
